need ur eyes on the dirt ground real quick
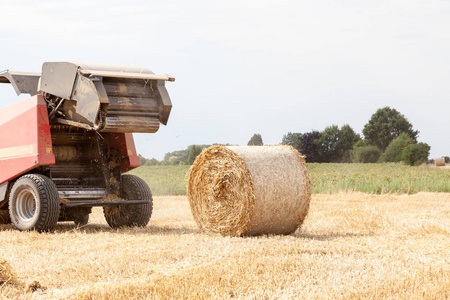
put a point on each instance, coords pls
(352, 245)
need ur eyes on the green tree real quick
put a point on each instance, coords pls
(308, 146)
(385, 125)
(328, 144)
(393, 152)
(360, 143)
(347, 139)
(256, 140)
(183, 157)
(194, 151)
(416, 154)
(176, 157)
(152, 162)
(142, 160)
(335, 144)
(292, 139)
(366, 154)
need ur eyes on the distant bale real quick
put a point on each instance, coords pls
(249, 190)
(439, 162)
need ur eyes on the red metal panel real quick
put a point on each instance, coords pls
(131, 151)
(124, 143)
(25, 140)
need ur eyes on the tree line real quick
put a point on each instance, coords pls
(178, 157)
(387, 137)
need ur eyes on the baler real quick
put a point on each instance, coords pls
(65, 150)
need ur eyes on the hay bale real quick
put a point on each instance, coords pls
(439, 162)
(252, 190)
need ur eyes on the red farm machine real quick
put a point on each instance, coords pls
(66, 149)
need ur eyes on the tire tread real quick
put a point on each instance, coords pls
(131, 215)
(49, 202)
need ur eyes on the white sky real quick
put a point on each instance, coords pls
(245, 67)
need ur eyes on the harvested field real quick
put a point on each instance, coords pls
(352, 245)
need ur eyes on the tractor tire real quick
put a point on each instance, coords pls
(81, 219)
(4, 212)
(133, 215)
(34, 203)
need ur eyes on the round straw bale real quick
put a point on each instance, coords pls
(249, 190)
(439, 162)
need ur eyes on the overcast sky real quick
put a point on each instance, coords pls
(245, 67)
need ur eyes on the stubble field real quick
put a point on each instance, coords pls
(352, 245)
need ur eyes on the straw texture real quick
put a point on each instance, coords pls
(439, 162)
(7, 274)
(8, 278)
(254, 190)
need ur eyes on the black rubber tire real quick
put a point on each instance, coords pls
(34, 203)
(135, 215)
(81, 219)
(4, 212)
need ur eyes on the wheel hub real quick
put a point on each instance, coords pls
(26, 205)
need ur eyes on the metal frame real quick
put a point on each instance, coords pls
(110, 203)
(22, 82)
